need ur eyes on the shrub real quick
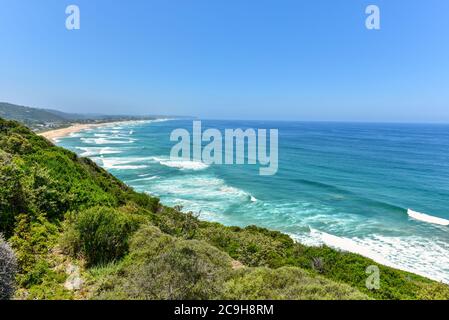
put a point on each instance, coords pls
(286, 283)
(162, 267)
(32, 241)
(43, 194)
(12, 197)
(39, 273)
(149, 242)
(176, 223)
(15, 143)
(190, 270)
(252, 246)
(99, 234)
(8, 270)
(145, 201)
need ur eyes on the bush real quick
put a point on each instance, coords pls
(252, 246)
(162, 267)
(99, 234)
(12, 196)
(15, 143)
(32, 241)
(43, 194)
(8, 270)
(286, 283)
(145, 201)
(39, 274)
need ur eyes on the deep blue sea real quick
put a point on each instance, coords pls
(347, 185)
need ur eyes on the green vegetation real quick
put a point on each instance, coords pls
(32, 117)
(160, 266)
(46, 119)
(99, 234)
(286, 283)
(58, 211)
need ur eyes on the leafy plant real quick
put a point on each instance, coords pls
(99, 234)
(286, 283)
(162, 267)
(33, 239)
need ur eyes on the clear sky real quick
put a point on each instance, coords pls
(232, 59)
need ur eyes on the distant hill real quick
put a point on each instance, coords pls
(45, 119)
(67, 116)
(39, 119)
(29, 115)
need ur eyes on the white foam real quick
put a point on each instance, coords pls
(427, 218)
(93, 151)
(120, 125)
(74, 134)
(101, 141)
(129, 167)
(426, 257)
(146, 178)
(182, 164)
(121, 163)
(409, 253)
(109, 150)
(145, 175)
(350, 245)
(208, 195)
(158, 120)
(253, 199)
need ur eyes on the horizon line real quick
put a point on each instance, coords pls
(185, 117)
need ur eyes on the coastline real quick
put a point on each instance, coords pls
(54, 135)
(336, 242)
(315, 239)
(315, 250)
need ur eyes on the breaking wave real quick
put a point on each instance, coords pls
(427, 218)
(181, 164)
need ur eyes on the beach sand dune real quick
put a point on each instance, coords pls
(52, 135)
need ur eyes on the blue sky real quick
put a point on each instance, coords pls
(232, 59)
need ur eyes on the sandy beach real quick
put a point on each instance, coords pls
(53, 135)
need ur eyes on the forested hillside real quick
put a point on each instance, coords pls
(32, 117)
(47, 119)
(73, 231)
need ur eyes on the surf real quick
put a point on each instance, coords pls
(181, 164)
(427, 218)
(383, 249)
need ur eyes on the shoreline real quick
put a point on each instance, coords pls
(330, 240)
(54, 135)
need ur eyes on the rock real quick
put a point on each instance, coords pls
(236, 265)
(74, 281)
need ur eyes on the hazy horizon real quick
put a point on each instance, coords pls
(287, 60)
(186, 116)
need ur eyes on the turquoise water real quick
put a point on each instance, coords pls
(345, 185)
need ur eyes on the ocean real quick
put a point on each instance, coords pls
(346, 185)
